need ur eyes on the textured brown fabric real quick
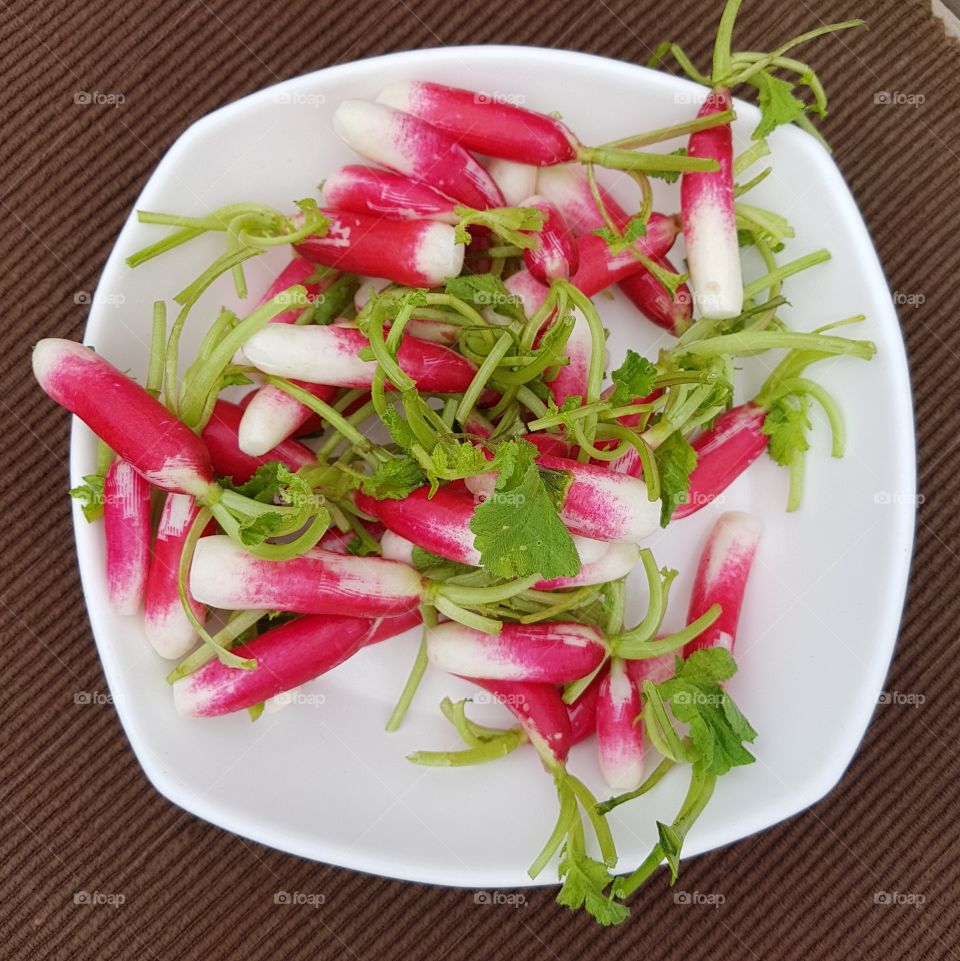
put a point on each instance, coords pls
(77, 813)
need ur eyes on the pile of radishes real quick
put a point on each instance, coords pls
(470, 463)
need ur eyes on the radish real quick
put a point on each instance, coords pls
(167, 627)
(126, 530)
(224, 575)
(338, 542)
(515, 180)
(724, 452)
(407, 145)
(583, 711)
(271, 416)
(568, 189)
(654, 669)
(221, 435)
(600, 503)
(709, 217)
(329, 355)
(415, 253)
(368, 287)
(381, 193)
(287, 656)
(124, 416)
(556, 254)
(551, 653)
(540, 711)
(619, 732)
(722, 578)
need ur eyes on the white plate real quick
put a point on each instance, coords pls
(321, 779)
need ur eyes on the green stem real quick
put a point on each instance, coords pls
(158, 340)
(734, 344)
(784, 271)
(417, 670)
(224, 637)
(675, 130)
(627, 647)
(484, 372)
(652, 780)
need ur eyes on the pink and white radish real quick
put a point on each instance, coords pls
(722, 578)
(619, 732)
(415, 253)
(130, 421)
(600, 503)
(550, 653)
(516, 181)
(540, 711)
(383, 193)
(287, 656)
(224, 575)
(272, 416)
(166, 624)
(126, 530)
(556, 254)
(583, 711)
(406, 144)
(329, 355)
(709, 217)
(488, 125)
(724, 452)
(222, 437)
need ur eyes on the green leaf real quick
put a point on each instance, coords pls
(675, 460)
(786, 424)
(584, 884)
(360, 548)
(271, 481)
(632, 379)
(453, 460)
(394, 479)
(336, 300)
(671, 844)
(400, 431)
(518, 531)
(90, 495)
(424, 560)
(486, 290)
(778, 105)
(234, 378)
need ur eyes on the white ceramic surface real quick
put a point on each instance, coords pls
(321, 779)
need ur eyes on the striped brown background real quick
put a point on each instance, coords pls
(77, 814)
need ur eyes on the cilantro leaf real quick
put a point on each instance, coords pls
(786, 424)
(400, 431)
(632, 379)
(454, 461)
(778, 105)
(517, 529)
(394, 479)
(675, 460)
(487, 290)
(584, 883)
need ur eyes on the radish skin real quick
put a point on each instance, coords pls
(272, 416)
(131, 422)
(224, 575)
(722, 578)
(126, 530)
(553, 653)
(540, 711)
(515, 180)
(329, 355)
(167, 627)
(222, 437)
(407, 145)
(600, 503)
(287, 656)
(556, 255)
(724, 452)
(619, 734)
(485, 123)
(415, 253)
(709, 218)
(583, 711)
(382, 193)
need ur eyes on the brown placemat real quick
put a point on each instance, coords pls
(78, 814)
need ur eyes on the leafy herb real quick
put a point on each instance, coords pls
(778, 105)
(394, 479)
(675, 460)
(486, 290)
(632, 379)
(90, 495)
(584, 883)
(786, 424)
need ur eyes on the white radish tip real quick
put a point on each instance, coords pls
(438, 255)
(396, 548)
(258, 432)
(48, 353)
(187, 700)
(742, 523)
(398, 95)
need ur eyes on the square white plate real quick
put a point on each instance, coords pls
(322, 779)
